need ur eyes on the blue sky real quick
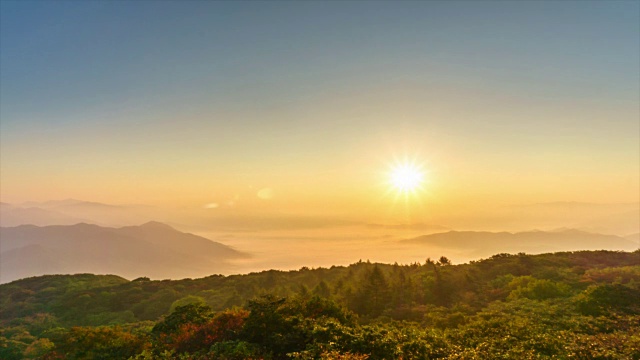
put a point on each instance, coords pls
(61, 56)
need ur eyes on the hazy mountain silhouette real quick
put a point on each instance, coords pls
(603, 218)
(634, 238)
(619, 223)
(155, 250)
(11, 215)
(483, 244)
(68, 203)
(72, 211)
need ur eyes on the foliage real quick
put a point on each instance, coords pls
(98, 343)
(565, 305)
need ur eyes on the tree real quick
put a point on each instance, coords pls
(192, 313)
(268, 327)
(38, 348)
(373, 295)
(607, 298)
(99, 343)
(225, 326)
(444, 261)
(187, 300)
(322, 289)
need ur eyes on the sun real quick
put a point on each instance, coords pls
(406, 177)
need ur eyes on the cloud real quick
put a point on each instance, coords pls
(266, 193)
(211, 205)
(416, 226)
(269, 222)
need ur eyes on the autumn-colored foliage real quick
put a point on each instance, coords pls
(580, 305)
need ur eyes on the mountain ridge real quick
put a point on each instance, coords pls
(152, 249)
(484, 243)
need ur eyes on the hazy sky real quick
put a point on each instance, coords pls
(195, 103)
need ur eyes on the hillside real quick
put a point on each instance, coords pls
(563, 305)
(474, 284)
(152, 249)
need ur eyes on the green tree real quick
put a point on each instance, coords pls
(268, 327)
(607, 298)
(373, 295)
(187, 300)
(322, 289)
(196, 314)
(101, 343)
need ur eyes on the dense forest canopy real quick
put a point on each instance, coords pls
(560, 305)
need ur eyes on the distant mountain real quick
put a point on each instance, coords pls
(483, 244)
(602, 218)
(72, 211)
(155, 250)
(11, 215)
(634, 238)
(619, 223)
(62, 203)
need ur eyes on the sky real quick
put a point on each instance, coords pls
(302, 108)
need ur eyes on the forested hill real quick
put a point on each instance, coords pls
(591, 295)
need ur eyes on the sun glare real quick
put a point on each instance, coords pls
(406, 177)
